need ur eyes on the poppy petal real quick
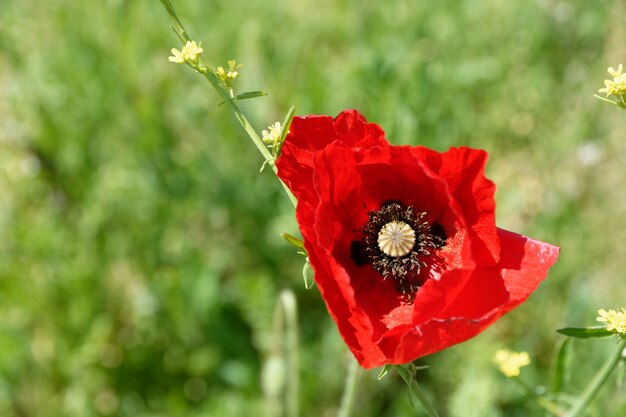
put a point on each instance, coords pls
(342, 170)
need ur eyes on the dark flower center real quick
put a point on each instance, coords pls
(400, 244)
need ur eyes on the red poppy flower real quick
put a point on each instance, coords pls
(403, 240)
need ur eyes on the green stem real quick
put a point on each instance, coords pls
(596, 383)
(605, 99)
(416, 390)
(267, 155)
(225, 94)
(288, 303)
(347, 401)
(176, 25)
(285, 347)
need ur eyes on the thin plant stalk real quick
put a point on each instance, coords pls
(285, 350)
(349, 393)
(287, 310)
(598, 380)
(226, 95)
(288, 302)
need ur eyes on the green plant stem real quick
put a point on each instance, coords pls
(416, 390)
(226, 95)
(285, 346)
(598, 380)
(288, 306)
(347, 400)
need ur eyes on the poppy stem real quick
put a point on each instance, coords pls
(598, 380)
(226, 95)
(414, 388)
(347, 400)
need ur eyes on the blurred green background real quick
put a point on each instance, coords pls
(140, 255)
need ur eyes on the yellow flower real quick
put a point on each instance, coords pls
(177, 56)
(231, 74)
(616, 86)
(615, 319)
(272, 135)
(617, 73)
(188, 53)
(510, 362)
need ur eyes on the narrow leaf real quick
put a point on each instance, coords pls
(250, 94)
(286, 124)
(586, 332)
(294, 241)
(246, 95)
(265, 163)
(384, 372)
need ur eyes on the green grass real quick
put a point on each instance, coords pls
(140, 251)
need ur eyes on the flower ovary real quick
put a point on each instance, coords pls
(396, 239)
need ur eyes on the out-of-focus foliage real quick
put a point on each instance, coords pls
(140, 251)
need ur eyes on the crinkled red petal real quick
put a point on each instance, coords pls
(349, 183)
(464, 171)
(311, 134)
(488, 294)
(341, 168)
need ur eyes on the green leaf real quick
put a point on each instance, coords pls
(586, 332)
(384, 371)
(559, 370)
(250, 94)
(266, 163)
(305, 274)
(247, 95)
(294, 241)
(286, 124)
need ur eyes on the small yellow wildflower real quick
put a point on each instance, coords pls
(177, 56)
(188, 53)
(231, 74)
(272, 135)
(510, 362)
(615, 320)
(616, 86)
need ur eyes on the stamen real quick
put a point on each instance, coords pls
(396, 239)
(399, 243)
